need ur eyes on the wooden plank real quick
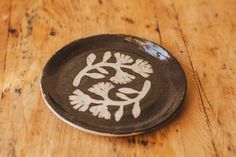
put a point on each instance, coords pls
(210, 42)
(4, 35)
(4, 23)
(193, 124)
(204, 46)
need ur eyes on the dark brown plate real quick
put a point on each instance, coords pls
(115, 85)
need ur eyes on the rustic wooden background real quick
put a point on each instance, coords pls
(201, 34)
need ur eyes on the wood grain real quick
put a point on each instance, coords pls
(200, 34)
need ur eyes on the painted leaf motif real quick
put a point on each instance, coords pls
(102, 70)
(91, 58)
(83, 108)
(77, 106)
(101, 88)
(136, 110)
(100, 111)
(122, 77)
(119, 114)
(95, 75)
(122, 96)
(106, 56)
(127, 90)
(122, 58)
(79, 100)
(142, 67)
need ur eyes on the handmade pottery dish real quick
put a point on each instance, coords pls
(114, 85)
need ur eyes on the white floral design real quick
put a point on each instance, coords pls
(81, 101)
(122, 61)
(122, 77)
(101, 88)
(101, 111)
(142, 67)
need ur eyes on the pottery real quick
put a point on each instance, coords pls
(114, 85)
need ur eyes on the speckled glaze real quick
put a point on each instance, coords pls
(114, 85)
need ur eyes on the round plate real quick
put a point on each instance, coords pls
(114, 85)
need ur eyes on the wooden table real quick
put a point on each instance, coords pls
(201, 34)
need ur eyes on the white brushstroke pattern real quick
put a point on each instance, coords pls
(81, 101)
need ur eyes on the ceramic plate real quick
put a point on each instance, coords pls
(115, 85)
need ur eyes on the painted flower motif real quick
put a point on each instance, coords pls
(122, 77)
(101, 88)
(79, 100)
(142, 67)
(101, 111)
(123, 59)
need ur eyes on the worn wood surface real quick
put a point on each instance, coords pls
(201, 34)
